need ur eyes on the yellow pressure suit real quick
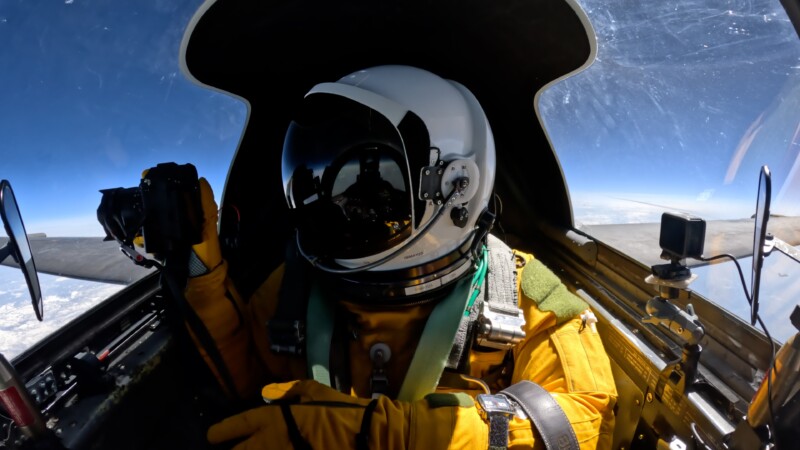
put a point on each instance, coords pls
(564, 355)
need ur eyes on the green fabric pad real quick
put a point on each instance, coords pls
(542, 286)
(461, 399)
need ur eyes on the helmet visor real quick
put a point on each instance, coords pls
(345, 176)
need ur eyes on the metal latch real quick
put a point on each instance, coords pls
(499, 329)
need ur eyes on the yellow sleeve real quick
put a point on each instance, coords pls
(329, 419)
(394, 424)
(240, 329)
(569, 361)
(261, 308)
(219, 307)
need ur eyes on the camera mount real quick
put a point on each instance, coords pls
(681, 237)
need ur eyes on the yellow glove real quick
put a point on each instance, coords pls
(206, 256)
(308, 413)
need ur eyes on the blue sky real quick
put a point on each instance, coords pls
(682, 106)
(92, 94)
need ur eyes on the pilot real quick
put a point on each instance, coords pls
(398, 320)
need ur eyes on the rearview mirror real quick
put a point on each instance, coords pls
(759, 238)
(18, 245)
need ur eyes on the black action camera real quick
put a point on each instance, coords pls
(682, 236)
(165, 210)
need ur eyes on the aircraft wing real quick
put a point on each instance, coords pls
(87, 258)
(734, 237)
(92, 258)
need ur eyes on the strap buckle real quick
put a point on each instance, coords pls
(499, 329)
(492, 405)
(287, 336)
(497, 410)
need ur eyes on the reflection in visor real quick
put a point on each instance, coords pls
(360, 207)
(376, 203)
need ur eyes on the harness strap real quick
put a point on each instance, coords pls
(545, 414)
(170, 278)
(501, 285)
(298, 443)
(320, 334)
(287, 327)
(340, 353)
(494, 319)
(362, 438)
(435, 344)
(458, 358)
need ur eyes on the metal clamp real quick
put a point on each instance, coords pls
(499, 329)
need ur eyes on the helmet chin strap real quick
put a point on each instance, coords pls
(318, 263)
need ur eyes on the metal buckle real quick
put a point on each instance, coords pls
(491, 404)
(287, 336)
(499, 329)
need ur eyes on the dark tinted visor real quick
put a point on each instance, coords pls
(345, 176)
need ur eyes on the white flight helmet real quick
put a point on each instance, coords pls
(389, 172)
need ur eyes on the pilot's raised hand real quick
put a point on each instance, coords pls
(215, 301)
(306, 414)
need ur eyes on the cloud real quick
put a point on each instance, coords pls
(64, 301)
(79, 226)
(591, 208)
(705, 195)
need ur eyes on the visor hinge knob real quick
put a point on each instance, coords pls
(460, 216)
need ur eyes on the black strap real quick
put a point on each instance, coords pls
(362, 438)
(286, 328)
(170, 277)
(340, 353)
(498, 292)
(545, 414)
(294, 432)
(498, 432)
